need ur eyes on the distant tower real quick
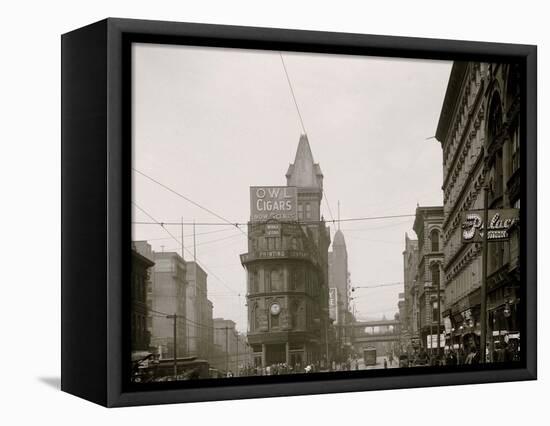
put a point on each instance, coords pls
(338, 281)
(339, 267)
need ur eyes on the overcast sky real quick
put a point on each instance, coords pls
(209, 123)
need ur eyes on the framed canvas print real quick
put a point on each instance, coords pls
(254, 212)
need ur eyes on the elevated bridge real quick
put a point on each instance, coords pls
(375, 331)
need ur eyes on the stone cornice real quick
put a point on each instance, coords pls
(466, 196)
(461, 259)
(471, 113)
(465, 143)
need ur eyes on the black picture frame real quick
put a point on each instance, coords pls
(96, 169)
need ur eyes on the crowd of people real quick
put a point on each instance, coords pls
(284, 368)
(466, 354)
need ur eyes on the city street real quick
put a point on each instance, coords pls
(379, 364)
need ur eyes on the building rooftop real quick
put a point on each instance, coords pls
(339, 239)
(304, 172)
(456, 79)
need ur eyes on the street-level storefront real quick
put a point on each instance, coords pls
(503, 305)
(463, 316)
(503, 321)
(295, 349)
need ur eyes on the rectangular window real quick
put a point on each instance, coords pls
(251, 281)
(308, 211)
(164, 265)
(273, 243)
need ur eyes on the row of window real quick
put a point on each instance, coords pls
(139, 287)
(277, 243)
(298, 279)
(296, 318)
(139, 330)
(304, 211)
(434, 237)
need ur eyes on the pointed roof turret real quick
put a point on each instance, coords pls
(339, 239)
(304, 172)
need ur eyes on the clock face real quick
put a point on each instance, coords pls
(275, 309)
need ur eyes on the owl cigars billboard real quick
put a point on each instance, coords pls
(273, 202)
(501, 222)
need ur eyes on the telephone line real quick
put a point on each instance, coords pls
(292, 93)
(186, 249)
(355, 287)
(189, 200)
(187, 321)
(328, 205)
(217, 231)
(352, 219)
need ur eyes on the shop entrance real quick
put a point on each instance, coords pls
(296, 359)
(275, 354)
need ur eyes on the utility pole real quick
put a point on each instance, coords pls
(438, 311)
(182, 245)
(483, 316)
(226, 350)
(175, 318)
(237, 363)
(338, 215)
(326, 340)
(194, 243)
(431, 329)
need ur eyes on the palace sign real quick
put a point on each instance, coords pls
(501, 221)
(273, 202)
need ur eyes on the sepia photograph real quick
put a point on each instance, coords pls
(300, 213)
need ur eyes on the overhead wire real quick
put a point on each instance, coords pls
(216, 231)
(351, 219)
(189, 200)
(292, 93)
(203, 266)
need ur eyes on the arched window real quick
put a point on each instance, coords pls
(434, 236)
(512, 102)
(254, 318)
(494, 125)
(494, 130)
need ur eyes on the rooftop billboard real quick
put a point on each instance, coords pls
(273, 202)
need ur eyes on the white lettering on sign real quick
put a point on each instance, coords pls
(273, 202)
(500, 223)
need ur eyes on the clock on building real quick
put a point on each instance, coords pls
(275, 309)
